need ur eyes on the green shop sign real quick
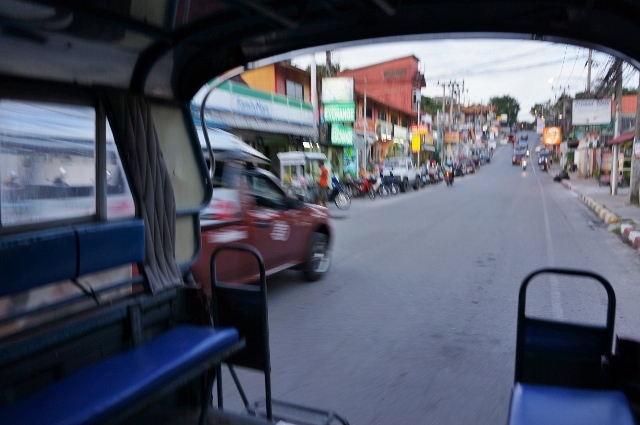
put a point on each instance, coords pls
(341, 135)
(340, 112)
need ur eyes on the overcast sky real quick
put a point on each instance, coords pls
(521, 69)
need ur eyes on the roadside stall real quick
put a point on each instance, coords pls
(297, 171)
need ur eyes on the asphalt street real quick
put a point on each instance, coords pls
(416, 321)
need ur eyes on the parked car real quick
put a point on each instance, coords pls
(404, 172)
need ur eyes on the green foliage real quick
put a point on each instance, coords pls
(429, 106)
(321, 70)
(596, 174)
(507, 105)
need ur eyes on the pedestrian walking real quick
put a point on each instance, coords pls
(323, 183)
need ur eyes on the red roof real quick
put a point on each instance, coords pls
(624, 137)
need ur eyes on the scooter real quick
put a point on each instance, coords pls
(338, 195)
(448, 178)
(524, 164)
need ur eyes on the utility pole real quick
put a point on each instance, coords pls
(451, 105)
(589, 73)
(618, 124)
(364, 157)
(634, 189)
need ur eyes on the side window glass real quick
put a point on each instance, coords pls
(266, 193)
(119, 199)
(47, 162)
(225, 200)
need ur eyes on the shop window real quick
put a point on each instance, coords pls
(394, 119)
(382, 115)
(405, 122)
(294, 90)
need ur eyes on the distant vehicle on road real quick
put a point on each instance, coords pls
(518, 154)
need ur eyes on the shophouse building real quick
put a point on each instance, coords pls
(383, 128)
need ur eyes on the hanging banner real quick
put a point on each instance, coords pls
(350, 161)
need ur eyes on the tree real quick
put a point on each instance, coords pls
(429, 106)
(321, 70)
(537, 109)
(507, 105)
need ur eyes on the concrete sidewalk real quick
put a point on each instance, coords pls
(614, 210)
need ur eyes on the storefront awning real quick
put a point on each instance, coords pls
(244, 122)
(624, 137)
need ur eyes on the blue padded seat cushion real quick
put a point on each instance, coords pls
(94, 393)
(122, 240)
(548, 405)
(35, 259)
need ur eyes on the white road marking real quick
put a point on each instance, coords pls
(556, 299)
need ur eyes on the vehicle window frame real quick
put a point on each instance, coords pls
(277, 204)
(21, 91)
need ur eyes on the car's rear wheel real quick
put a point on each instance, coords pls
(318, 258)
(405, 185)
(416, 184)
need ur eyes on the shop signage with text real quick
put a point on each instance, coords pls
(591, 111)
(337, 90)
(341, 135)
(420, 129)
(415, 143)
(451, 137)
(552, 135)
(339, 112)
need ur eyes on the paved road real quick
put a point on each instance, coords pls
(416, 321)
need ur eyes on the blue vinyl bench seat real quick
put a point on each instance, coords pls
(116, 386)
(549, 405)
(97, 392)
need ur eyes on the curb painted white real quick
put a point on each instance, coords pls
(624, 227)
(633, 235)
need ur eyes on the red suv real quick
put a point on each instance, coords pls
(249, 206)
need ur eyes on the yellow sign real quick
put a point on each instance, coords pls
(552, 135)
(451, 137)
(415, 143)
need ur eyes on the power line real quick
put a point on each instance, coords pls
(563, 58)
(497, 70)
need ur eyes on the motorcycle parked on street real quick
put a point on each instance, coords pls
(524, 165)
(338, 195)
(388, 186)
(364, 187)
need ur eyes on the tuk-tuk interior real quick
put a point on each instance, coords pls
(133, 337)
